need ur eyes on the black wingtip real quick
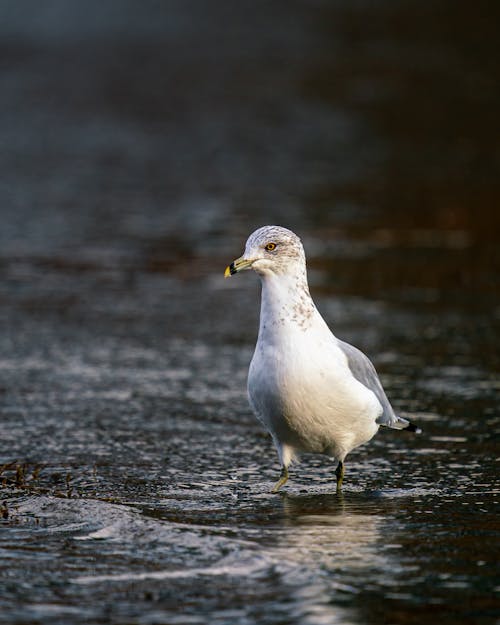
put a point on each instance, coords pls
(413, 428)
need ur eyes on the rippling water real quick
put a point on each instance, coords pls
(169, 516)
(134, 479)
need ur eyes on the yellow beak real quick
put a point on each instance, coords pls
(240, 264)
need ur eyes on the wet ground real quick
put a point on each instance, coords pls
(139, 147)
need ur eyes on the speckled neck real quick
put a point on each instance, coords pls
(286, 302)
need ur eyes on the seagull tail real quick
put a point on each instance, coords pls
(405, 424)
(400, 423)
(411, 427)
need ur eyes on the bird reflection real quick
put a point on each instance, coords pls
(333, 531)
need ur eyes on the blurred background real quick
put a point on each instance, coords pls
(155, 136)
(140, 143)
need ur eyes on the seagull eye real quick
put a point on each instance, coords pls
(270, 247)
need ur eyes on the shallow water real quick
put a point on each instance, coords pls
(135, 481)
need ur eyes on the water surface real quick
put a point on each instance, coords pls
(139, 149)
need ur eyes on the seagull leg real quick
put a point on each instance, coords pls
(283, 479)
(339, 472)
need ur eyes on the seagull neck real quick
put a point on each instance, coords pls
(286, 301)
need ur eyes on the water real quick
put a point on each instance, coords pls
(138, 151)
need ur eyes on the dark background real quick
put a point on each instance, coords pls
(159, 134)
(140, 143)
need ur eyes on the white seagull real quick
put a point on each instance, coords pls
(313, 392)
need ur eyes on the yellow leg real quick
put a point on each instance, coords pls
(283, 479)
(339, 472)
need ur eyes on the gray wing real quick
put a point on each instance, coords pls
(363, 370)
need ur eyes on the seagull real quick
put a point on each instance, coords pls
(312, 392)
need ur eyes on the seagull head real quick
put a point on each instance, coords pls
(270, 250)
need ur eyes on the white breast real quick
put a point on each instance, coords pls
(300, 386)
